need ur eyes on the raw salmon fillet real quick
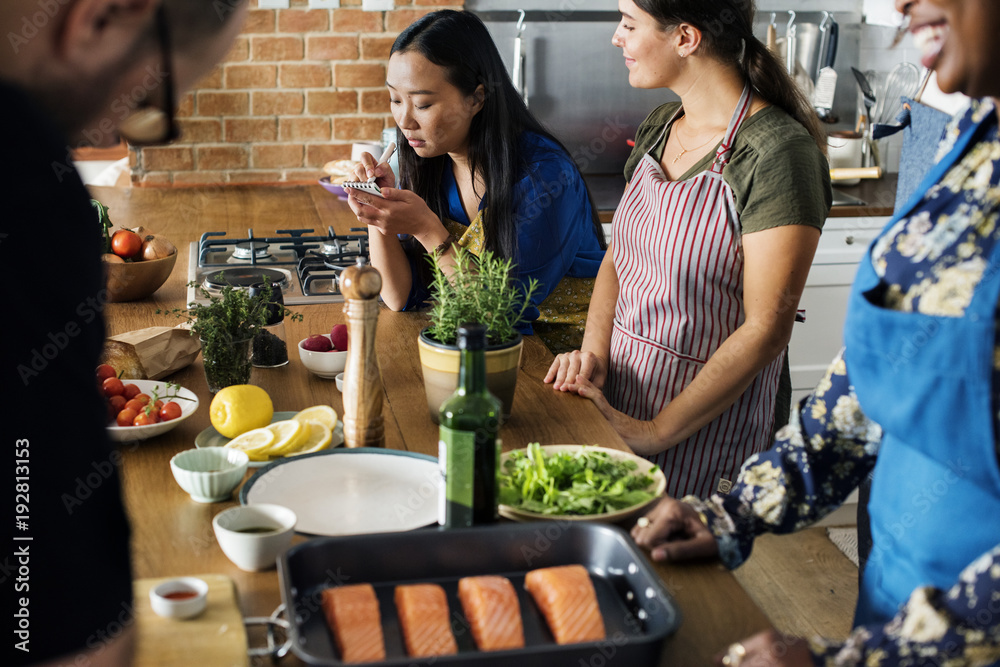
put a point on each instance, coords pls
(490, 605)
(352, 613)
(423, 616)
(566, 597)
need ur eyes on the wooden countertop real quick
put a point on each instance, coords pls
(172, 535)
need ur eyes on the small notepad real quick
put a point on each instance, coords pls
(363, 186)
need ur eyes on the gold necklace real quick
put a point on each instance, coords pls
(688, 150)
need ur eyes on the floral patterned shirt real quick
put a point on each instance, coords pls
(931, 262)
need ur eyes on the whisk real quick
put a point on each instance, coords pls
(902, 81)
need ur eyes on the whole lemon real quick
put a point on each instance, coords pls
(240, 408)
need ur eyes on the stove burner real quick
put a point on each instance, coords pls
(244, 276)
(248, 249)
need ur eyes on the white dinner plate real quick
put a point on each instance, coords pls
(351, 491)
(212, 438)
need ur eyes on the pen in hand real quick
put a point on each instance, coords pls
(389, 150)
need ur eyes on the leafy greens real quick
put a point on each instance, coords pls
(582, 482)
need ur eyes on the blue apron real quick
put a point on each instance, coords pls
(927, 381)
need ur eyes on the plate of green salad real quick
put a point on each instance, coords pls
(576, 483)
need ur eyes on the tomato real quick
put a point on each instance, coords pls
(112, 387)
(145, 419)
(117, 403)
(136, 405)
(157, 405)
(142, 398)
(105, 371)
(126, 244)
(126, 417)
(131, 391)
(170, 411)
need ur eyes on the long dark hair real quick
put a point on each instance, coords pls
(461, 44)
(727, 34)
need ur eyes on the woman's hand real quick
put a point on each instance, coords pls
(396, 212)
(640, 436)
(673, 530)
(568, 365)
(767, 649)
(368, 167)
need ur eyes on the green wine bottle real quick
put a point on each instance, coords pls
(468, 446)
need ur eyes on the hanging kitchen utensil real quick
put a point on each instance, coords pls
(829, 41)
(903, 81)
(790, 32)
(518, 69)
(868, 95)
(826, 87)
(772, 35)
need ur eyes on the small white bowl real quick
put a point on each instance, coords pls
(324, 364)
(188, 403)
(183, 597)
(340, 382)
(270, 527)
(211, 474)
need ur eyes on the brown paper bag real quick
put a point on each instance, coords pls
(152, 353)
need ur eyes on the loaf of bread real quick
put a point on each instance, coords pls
(340, 170)
(124, 359)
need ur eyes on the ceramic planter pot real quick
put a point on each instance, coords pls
(440, 367)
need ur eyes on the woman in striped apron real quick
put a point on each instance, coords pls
(711, 245)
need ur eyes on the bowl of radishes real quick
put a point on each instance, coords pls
(325, 354)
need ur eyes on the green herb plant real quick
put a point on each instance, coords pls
(226, 325)
(477, 291)
(105, 223)
(583, 482)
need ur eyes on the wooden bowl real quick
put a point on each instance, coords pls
(137, 280)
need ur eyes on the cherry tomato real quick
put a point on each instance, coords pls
(105, 371)
(145, 419)
(117, 404)
(131, 391)
(170, 411)
(135, 405)
(143, 398)
(126, 417)
(112, 387)
(126, 243)
(157, 405)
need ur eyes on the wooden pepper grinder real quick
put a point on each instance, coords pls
(363, 423)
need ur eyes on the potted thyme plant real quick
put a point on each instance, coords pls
(477, 290)
(226, 327)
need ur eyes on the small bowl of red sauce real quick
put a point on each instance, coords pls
(183, 597)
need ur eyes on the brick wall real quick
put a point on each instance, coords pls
(297, 89)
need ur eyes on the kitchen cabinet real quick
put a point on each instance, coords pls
(816, 341)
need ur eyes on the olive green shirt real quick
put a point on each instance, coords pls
(777, 173)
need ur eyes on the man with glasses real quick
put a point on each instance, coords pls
(74, 72)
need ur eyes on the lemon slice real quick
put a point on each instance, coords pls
(320, 437)
(255, 443)
(319, 413)
(287, 436)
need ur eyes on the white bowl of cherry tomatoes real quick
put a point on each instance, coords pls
(141, 409)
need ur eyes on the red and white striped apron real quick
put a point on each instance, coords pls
(679, 261)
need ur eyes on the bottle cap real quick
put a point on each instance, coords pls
(471, 336)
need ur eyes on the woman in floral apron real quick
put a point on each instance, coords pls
(914, 396)
(711, 245)
(482, 173)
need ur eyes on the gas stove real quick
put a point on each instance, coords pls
(307, 266)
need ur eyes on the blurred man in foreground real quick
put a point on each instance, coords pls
(74, 72)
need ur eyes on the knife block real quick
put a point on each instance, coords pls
(364, 425)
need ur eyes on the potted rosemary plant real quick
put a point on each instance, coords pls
(477, 290)
(226, 327)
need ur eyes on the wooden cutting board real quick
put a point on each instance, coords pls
(215, 637)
